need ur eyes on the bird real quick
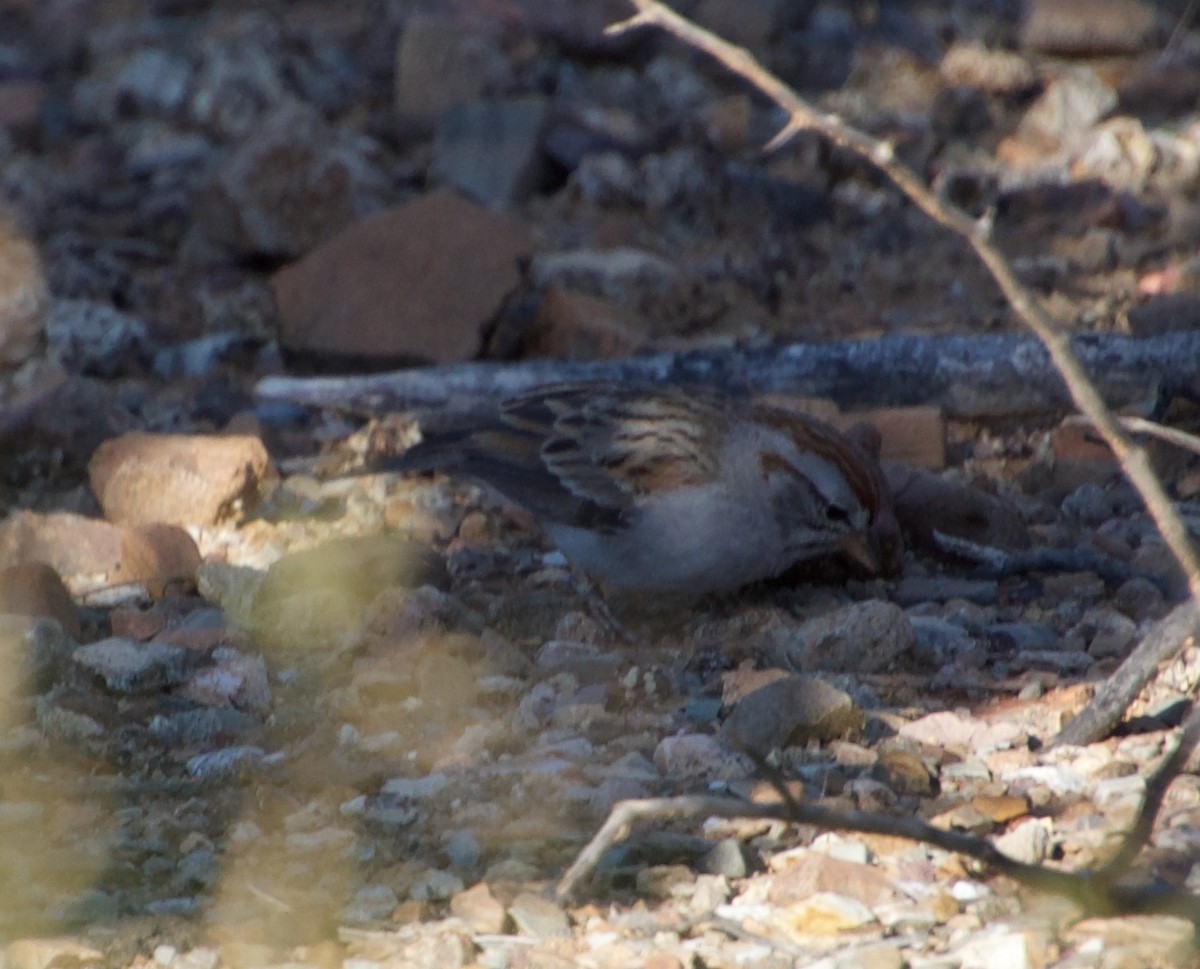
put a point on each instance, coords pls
(673, 488)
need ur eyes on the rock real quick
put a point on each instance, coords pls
(88, 553)
(23, 296)
(291, 185)
(491, 149)
(693, 756)
(1103, 632)
(238, 78)
(95, 338)
(35, 589)
(970, 64)
(34, 654)
(1071, 103)
(21, 104)
(371, 903)
(961, 734)
(570, 325)
(49, 952)
(1140, 599)
(440, 65)
(478, 907)
(417, 282)
(1006, 947)
(725, 859)
(1122, 153)
(538, 917)
(790, 711)
(1075, 439)
(1081, 28)
(827, 913)
(178, 479)
(128, 667)
(234, 680)
(806, 872)
(867, 637)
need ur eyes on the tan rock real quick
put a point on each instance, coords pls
(417, 282)
(479, 908)
(23, 296)
(813, 872)
(91, 554)
(1082, 27)
(178, 479)
(36, 589)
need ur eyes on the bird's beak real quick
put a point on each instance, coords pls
(857, 548)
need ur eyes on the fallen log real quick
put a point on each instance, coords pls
(969, 377)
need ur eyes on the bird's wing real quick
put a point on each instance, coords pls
(582, 454)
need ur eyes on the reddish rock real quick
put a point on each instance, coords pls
(570, 325)
(35, 589)
(179, 479)
(1075, 439)
(131, 622)
(90, 554)
(414, 282)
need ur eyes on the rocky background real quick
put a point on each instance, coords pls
(253, 717)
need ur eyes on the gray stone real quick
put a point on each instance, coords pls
(867, 637)
(1071, 103)
(726, 859)
(790, 711)
(491, 149)
(95, 338)
(125, 666)
(440, 65)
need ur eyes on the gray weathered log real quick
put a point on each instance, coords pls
(999, 376)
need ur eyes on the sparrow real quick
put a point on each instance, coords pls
(674, 489)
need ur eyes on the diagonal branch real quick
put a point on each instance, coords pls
(1095, 893)
(803, 117)
(1133, 458)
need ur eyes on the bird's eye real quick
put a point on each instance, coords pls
(836, 513)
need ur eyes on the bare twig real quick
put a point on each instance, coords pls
(1095, 895)
(1162, 643)
(1172, 435)
(803, 117)
(996, 563)
(1156, 790)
